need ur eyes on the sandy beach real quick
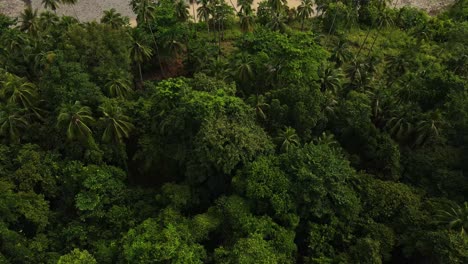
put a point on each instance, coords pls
(89, 10)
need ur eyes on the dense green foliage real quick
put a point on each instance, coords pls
(268, 136)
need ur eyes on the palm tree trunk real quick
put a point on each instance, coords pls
(364, 42)
(302, 24)
(139, 71)
(157, 51)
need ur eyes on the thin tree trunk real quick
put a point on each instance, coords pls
(302, 25)
(157, 51)
(364, 42)
(141, 75)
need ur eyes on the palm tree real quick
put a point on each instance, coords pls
(305, 10)
(243, 68)
(17, 90)
(428, 128)
(139, 51)
(341, 53)
(204, 12)
(245, 6)
(277, 5)
(12, 121)
(181, 9)
(118, 87)
(258, 102)
(77, 119)
(246, 22)
(29, 21)
(146, 10)
(399, 128)
(288, 138)
(277, 23)
(114, 19)
(456, 218)
(330, 78)
(50, 4)
(47, 19)
(117, 125)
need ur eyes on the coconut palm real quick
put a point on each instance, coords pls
(399, 128)
(243, 68)
(305, 11)
(428, 128)
(114, 19)
(182, 10)
(117, 125)
(277, 5)
(246, 22)
(330, 78)
(341, 53)
(118, 87)
(47, 19)
(245, 6)
(77, 119)
(456, 218)
(50, 4)
(139, 51)
(12, 122)
(29, 22)
(288, 138)
(258, 102)
(277, 23)
(204, 12)
(16, 90)
(144, 9)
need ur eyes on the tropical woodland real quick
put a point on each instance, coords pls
(334, 132)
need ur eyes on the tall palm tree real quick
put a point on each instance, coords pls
(277, 5)
(114, 19)
(48, 19)
(139, 51)
(243, 68)
(16, 90)
(12, 121)
(118, 87)
(204, 12)
(146, 10)
(77, 119)
(117, 125)
(277, 23)
(29, 21)
(428, 128)
(341, 53)
(246, 22)
(51, 4)
(259, 103)
(456, 218)
(305, 11)
(288, 138)
(245, 6)
(182, 10)
(330, 78)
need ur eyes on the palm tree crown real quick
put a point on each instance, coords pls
(77, 119)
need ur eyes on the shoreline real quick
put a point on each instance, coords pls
(92, 10)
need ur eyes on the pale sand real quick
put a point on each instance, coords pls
(89, 10)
